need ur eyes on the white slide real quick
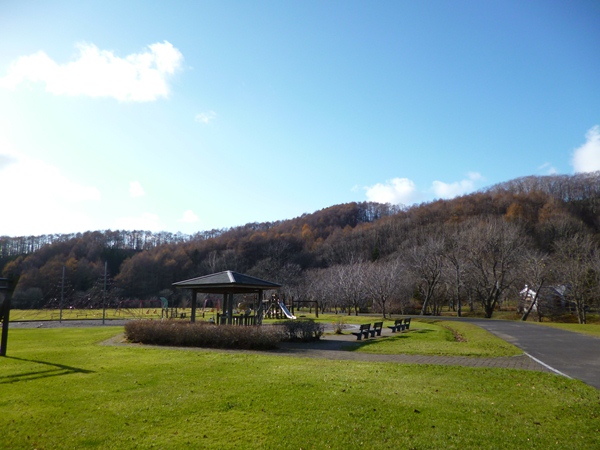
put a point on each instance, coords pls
(286, 311)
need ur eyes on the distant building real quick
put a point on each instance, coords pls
(551, 300)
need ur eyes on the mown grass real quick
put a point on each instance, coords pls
(61, 389)
(592, 329)
(88, 314)
(446, 338)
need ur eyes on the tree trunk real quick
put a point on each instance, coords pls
(528, 310)
(581, 316)
(537, 293)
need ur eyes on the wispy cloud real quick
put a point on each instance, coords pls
(587, 157)
(135, 189)
(41, 182)
(6, 160)
(146, 221)
(451, 190)
(547, 169)
(42, 198)
(206, 117)
(139, 77)
(189, 217)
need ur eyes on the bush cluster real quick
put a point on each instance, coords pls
(202, 334)
(301, 330)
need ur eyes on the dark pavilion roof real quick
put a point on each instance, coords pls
(227, 282)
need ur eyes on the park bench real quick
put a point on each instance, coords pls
(398, 325)
(364, 330)
(407, 323)
(377, 326)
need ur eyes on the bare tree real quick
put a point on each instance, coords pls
(536, 273)
(426, 262)
(576, 263)
(455, 252)
(347, 281)
(494, 258)
(382, 282)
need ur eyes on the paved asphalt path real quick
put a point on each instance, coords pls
(572, 354)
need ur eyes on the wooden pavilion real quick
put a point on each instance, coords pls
(227, 283)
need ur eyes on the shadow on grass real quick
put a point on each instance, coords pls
(397, 337)
(55, 371)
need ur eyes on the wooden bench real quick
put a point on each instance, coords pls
(364, 330)
(407, 323)
(377, 326)
(398, 325)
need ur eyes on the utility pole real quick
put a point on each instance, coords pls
(104, 294)
(62, 295)
(6, 289)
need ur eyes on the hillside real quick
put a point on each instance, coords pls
(142, 264)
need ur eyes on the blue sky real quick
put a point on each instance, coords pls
(188, 116)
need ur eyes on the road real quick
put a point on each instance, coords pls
(573, 354)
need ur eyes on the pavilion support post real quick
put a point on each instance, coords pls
(230, 310)
(224, 309)
(259, 313)
(194, 304)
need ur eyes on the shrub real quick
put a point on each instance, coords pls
(301, 330)
(339, 325)
(202, 334)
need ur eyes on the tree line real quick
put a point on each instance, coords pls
(474, 251)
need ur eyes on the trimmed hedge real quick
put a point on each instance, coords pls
(202, 334)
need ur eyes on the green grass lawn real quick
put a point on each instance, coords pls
(445, 338)
(592, 329)
(61, 389)
(87, 314)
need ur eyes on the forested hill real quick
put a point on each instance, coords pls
(143, 264)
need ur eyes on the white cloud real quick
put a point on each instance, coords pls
(189, 217)
(404, 191)
(38, 198)
(135, 189)
(146, 222)
(587, 157)
(206, 117)
(396, 191)
(139, 77)
(450, 190)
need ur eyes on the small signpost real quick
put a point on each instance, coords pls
(5, 296)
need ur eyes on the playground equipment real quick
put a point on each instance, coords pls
(276, 308)
(299, 303)
(286, 311)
